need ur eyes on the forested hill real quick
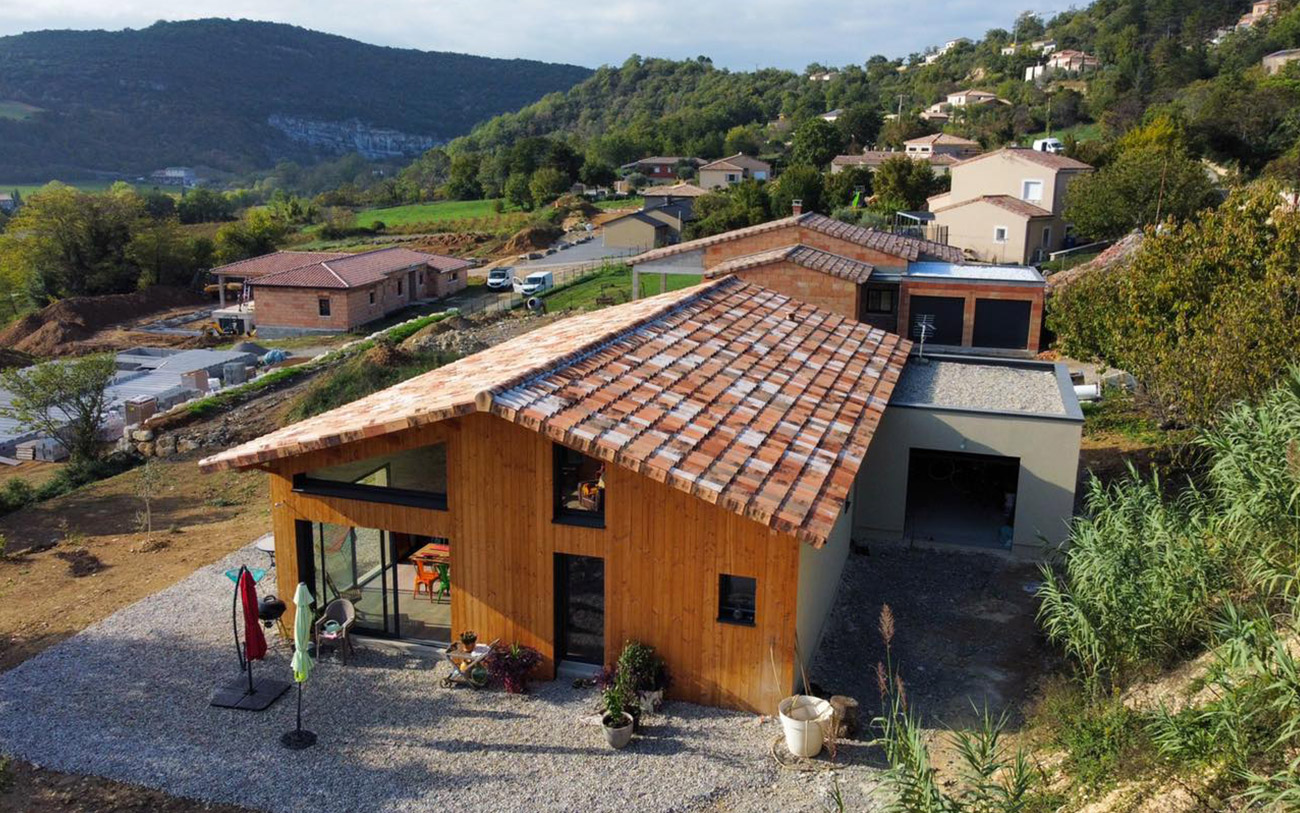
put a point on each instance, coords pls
(235, 95)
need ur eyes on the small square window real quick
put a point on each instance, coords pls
(323, 305)
(1031, 191)
(736, 599)
(880, 301)
(999, 234)
(579, 488)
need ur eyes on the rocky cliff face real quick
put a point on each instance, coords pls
(341, 137)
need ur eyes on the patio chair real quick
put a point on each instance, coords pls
(424, 577)
(341, 611)
(444, 579)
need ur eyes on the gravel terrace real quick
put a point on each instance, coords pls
(127, 699)
(980, 386)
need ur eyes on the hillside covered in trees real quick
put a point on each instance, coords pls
(1158, 57)
(237, 95)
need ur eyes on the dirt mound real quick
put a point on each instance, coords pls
(577, 205)
(51, 330)
(533, 238)
(455, 243)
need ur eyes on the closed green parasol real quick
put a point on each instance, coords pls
(302, 663)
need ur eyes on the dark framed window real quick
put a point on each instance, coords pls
(399, 287)
(880, 300)
(416, 477)
(420, 279)
(372, 296)
(579, 483)
(323, 305)
(736, 599)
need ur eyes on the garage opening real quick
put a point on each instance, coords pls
(946, 313)
(957, 498)
(1002, 323)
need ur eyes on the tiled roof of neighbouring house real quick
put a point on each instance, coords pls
(1007, 202)
(731, 392)
(681, 190)
(874, 158)
(1046, 159)
(943, 139)
(897, 245)
(353, 270)
(737, 162)
(276, 262)
(806, 256)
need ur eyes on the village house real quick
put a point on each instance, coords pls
(687, 470)
(962, 98)
(8, 204)
(658, 167)
(1273, 63)
(890, 281)
(940, 150)
(1007, 206)
(296, 292)
(733, 170)
(1069, 62)
(659, 222)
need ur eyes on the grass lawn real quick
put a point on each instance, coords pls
(17, 111)
(427, 212)
(615, 283)
(1081, 132)
(624, 203)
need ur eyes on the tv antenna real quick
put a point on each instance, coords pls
(922, 329)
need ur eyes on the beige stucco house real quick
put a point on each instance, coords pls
(733, 170)
(1007, 206)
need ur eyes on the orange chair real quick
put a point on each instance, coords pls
(425, 577)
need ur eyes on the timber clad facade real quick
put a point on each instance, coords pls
(720, 430)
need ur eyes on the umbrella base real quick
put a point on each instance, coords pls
(235, 694)
(298, 740)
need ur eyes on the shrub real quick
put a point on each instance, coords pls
(645, 670)
(512, 664)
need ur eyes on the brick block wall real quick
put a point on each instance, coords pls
(298, 308)
(815, 288)
(791, 235)
(969, 292)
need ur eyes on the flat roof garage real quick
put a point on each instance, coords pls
(974, 452)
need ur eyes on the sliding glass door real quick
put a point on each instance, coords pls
(355, 564)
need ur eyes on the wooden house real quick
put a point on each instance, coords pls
(676, 470)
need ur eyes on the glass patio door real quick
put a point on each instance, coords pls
(356, 564)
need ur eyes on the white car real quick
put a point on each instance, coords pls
(1052, 145)
(538, 282)
(501, 278)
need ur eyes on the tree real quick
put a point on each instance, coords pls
(597, 173)
(158, 204)
(843, 185)
(516, 191)
(462, 177)
(66, 400)
(1206, 313)
(802, 183)
(905, 128)
(903, 184)
(860, 124)
(816, 142)
(163, 253)
(744, 204)
(743, 138)
(1144, 185)
(204, 205)
(258, 233)
(547, 184)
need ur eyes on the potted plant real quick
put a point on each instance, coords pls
(646, 671)
(617, 719)
(468, 640)
(512, 664)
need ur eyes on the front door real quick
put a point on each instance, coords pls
(579, 609)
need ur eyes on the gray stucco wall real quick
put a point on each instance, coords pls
(1049, 463)
(820, 570)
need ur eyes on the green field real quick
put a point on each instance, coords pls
(615, 283)
(625, 203)
(438, 212)
(26, 189)
(1081, 132)
(17, 111)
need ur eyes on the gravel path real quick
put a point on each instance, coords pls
(128, 699)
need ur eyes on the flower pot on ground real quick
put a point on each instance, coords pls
(468, 640)
(512, 664)
(805, 720)
(618, 730)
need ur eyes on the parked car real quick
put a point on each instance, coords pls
(501, 278)
(538, 282)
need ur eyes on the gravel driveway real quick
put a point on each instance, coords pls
(128, 698)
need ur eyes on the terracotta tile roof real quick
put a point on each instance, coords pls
(276, 262)
(1007, 202)
(1046, 159)
(874, 158)
(731, 392)
(681, 190)
(353, 270)
(943, 139)
(806, 256)
(739, 161)
(907, 248)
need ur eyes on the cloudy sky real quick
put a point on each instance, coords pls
(735, 33)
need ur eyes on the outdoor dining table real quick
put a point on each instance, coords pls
(433, 553)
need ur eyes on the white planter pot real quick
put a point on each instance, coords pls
(804, 720)
(621, 736)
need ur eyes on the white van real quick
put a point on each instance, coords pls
(501, 278)
(538, 282)
(1052, 145)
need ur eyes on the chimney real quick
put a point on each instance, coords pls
(796, 206)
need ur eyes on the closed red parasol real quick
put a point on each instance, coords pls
(254, 640)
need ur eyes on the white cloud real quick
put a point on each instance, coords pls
(740, 35)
